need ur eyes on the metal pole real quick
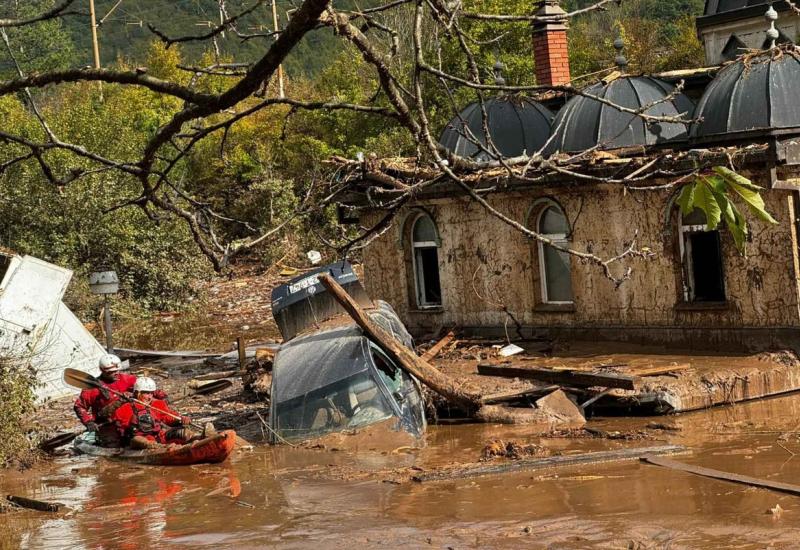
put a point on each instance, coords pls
(107, 325)
(275, 28)
(95, 45)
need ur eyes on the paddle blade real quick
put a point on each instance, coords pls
(60, 440)
(213, 387)
(79, 379)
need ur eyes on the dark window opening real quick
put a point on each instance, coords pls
(428, 284)
(706, 278)
(425, 246)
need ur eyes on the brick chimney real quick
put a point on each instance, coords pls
(550, 51)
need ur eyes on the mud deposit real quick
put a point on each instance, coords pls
(299, 497)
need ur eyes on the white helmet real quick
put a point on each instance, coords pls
(143, 383)
(110, 363)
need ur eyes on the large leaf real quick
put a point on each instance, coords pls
(705, 200)
(746, 189)
(730, 176)
(734, 220)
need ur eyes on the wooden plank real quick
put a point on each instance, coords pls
(723, 476)
(572, 378)
(242, 352)
(438, 346)
(508, 397)
(525, 465)
(656, 370)
(125, 353)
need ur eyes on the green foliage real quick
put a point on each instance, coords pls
(713, 194)
(16, 404)
(40, 47)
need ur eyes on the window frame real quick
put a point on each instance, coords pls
(419, 278)
(561, 239)
(687, 265)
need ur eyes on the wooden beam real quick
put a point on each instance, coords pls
(525, 465)
(508, 397)
(567, 377)
(438, 346)
(724, 476)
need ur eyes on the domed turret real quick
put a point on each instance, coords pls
(517, 125)
(585, 122)
(751, 95)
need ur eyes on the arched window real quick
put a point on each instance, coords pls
(425, 257)
(701, 254)
(553, 263)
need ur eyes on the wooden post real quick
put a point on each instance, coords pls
(95, 45)
(275, 29)
(404, 357)
(242, 349)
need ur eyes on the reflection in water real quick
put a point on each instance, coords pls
(288, 497)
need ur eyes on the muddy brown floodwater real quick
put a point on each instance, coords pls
(299, 498)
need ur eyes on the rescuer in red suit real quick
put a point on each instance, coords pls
(95, 407)
(147, 421)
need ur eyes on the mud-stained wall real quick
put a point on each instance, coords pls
(485, 265)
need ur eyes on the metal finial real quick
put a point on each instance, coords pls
(772, 33)
(620, 59)
(498, 73)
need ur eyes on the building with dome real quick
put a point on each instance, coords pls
(448, 262)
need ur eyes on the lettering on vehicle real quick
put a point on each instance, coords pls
(303, 284)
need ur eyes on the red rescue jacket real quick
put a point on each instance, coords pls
(90, 403)
(133, 419)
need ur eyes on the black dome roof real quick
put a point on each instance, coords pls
(517, 125)
(586, 122)
(758, 94)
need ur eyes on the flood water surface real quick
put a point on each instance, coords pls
(300, 498)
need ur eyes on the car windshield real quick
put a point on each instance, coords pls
(347, 404)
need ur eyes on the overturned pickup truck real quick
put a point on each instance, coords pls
(327, 375)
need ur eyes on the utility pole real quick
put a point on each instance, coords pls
(275, 27)
(95, 45)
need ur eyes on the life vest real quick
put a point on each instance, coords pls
(144, 422)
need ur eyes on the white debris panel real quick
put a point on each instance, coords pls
(37, 330)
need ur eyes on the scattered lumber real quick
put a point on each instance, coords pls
(524, 465)
(219, 375)
(723, 476)
(568, 377)
(447, 387)
(438, 346)
(125, 353)
(518, 395)
(657, 370)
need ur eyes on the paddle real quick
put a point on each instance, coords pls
(85, 381)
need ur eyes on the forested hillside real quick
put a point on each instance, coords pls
(654, 26)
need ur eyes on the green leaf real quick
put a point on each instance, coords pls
(705, 200)
(686, 198)
(732, 177)
(754, 201)
(734, 221)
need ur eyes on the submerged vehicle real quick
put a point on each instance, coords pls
(328, 376)
(210, 450)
